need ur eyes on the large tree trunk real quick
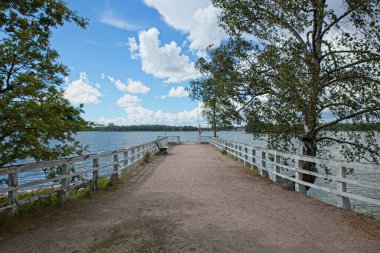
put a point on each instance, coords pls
(309, 148)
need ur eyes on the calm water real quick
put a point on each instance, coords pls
(106, 141)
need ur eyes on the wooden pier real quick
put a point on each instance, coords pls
(193, 200)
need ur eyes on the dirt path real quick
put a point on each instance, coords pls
(194, 200)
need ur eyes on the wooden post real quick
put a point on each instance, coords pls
(115, 168)
(263, 171)
(178, 139)
(64, 192)
(245, 155)
(95, 175)
(12, 194)
(132, 155)
(277, 168)
(125, 160)
(299, 176)
(343, 202)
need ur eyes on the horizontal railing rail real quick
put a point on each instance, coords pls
(91, 168)
(171, 139)
(277, 163)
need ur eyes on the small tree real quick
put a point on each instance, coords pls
(307, 68)
(34, 115)
(214, 88)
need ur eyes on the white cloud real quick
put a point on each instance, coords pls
(178, 92)
(81, 92)
(198, 18)
(133, 48)
(137, 114)
(128, 101)
(108, 17)
(205, 30)
(164, 61)
(131, 86)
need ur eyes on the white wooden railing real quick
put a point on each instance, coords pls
(278, 164)
(173, 140)
(91, 168)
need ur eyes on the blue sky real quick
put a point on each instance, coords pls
(132, 63)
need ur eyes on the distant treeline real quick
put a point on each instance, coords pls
(260, 128)
(156, 128)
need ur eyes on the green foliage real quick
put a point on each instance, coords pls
(223, 151)
(307, 69)
(36, 121)
(146, 157)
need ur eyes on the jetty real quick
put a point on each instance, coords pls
(193, 199)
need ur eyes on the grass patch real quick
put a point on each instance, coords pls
(365, 223)
(255, 173)
(223, 151)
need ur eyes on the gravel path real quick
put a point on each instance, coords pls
(194, 200)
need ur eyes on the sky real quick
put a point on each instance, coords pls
(131, 65)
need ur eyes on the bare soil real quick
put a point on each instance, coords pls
(195, 200)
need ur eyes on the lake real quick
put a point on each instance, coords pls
(106, 141)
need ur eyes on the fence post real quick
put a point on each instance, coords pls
(95, 175)
(125, 160)
(277, 168)
(64, 192)
(115, 168)
(245, 154)
(343, 202)
(12, 194)
(263, 171)
(253, 157)
(299, 176)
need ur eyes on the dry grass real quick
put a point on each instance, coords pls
(364, 223)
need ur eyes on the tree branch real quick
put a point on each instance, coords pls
(348, 12)
(349, 52)
(349, 143)
(352, 115)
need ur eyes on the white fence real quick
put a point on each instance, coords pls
(91, 168)
(278, 164)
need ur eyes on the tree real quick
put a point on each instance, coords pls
(308, 66)
(36, 121)
(217, 96)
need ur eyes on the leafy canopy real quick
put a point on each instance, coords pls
(299, 68)
(34, 114)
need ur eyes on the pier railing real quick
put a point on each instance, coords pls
(277, 165)
(74, 172)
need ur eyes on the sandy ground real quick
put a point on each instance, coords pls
(194, 200)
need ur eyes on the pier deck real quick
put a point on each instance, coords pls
(194, 200)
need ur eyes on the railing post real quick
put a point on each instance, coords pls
(178, 140)
(95, 175)
(299, 176)
(115, 168)
(343, 202)
(64, 192)
(253, 156)
(132, 155)
(125, 160)
(12, 194)
(263, 171)
(245, 154)
(277, 168)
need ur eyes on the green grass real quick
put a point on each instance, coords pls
(224, 151)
